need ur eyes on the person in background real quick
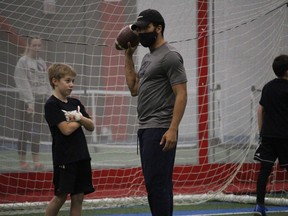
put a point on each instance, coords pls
(273, 128)
(31, 81)
(160, 85)
(71, 159)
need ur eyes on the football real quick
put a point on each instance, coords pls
(126, 35)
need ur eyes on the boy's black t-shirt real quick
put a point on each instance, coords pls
(65, 149)
(274, 99)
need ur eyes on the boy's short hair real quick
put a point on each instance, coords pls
(280, 65)
(58, 71)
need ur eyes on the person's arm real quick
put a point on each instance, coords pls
(130, 73)
(260, 115)
(23, 84)
(87, 123)
(49, 89)
(170, 137)
(78, 118)
(68, 128)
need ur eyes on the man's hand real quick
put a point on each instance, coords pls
(130, 51)
(170, 139)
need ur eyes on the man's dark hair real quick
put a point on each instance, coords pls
(280, 65)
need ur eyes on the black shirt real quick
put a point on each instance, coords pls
(71, 148)
(274, 99)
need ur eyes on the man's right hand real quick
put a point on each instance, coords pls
(130, 51)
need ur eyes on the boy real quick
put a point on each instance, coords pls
(273, 127)
(71, 158)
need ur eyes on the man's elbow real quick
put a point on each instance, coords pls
(134, 94)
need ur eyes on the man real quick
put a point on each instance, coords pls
(160, 85)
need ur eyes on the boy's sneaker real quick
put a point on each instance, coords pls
(260, 211)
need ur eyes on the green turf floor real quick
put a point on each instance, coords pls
(140, 210)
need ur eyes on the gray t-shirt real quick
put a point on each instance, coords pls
(160, 70)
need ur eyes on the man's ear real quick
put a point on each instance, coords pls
(159, 28)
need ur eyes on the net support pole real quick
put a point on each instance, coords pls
(202, 52)
(115, 115)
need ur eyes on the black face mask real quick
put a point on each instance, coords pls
(147, 39)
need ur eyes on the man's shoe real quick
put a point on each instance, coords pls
(260, 211)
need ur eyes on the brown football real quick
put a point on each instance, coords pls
(126, 35)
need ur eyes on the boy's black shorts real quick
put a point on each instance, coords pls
(270, 149)
(73, 178)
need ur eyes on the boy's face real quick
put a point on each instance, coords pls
(65, 85)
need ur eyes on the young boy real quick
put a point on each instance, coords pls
(71, 159)
(273, 127)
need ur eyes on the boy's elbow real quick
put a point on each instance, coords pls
(91, 128)
(89, 125)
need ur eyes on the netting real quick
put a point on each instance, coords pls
(228, 48)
